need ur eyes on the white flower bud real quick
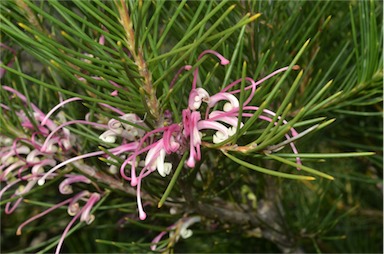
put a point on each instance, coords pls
(108, 136)
(185, 233)
(219, 137)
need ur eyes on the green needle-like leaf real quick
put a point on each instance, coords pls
(268, 171)
(305, 168)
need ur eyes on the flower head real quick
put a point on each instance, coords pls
(196, 97)
(177, 230)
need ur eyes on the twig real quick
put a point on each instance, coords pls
(138, 57)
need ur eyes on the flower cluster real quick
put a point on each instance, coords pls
(152, 148)
(137, 150)
(24, 160)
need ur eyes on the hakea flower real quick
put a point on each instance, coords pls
(24, 160)
(141, 150)
(21, 166)
(118, 128)
(65, 186)
(223, 61)
(190, 131)
(233, 102)
(59, 137)
(45, 127)
(154, 159)
(74, 210)
(177, 230)
(196, 97)
(232, 121)
(190, 120)
(166, 145)
(225, 123)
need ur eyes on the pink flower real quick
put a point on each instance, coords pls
(190, 120)
(196, 97)
(121, 129)
(155, 159)
(142, 150)
(223, 61)
(233, 102)
(180, 228)
(65, 186)
(84, 213)
(224, 123)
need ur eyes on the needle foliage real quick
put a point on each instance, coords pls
(249, 192)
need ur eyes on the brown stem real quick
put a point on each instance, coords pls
(31, 17)
(138, 57)
(267, 218)
(115, 184)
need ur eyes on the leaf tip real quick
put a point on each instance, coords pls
(22, 25)
(254, 17)
(329, 177)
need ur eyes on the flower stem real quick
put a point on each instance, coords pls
(138, 57)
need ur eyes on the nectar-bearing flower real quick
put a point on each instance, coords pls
(212, 117)
(65, 186)
(25, 159)
(155, 159)
(196, 97)
(225, 123)
(148, 151)
(233, 102)
(177, 230)
(118, 128)
(194, 126)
